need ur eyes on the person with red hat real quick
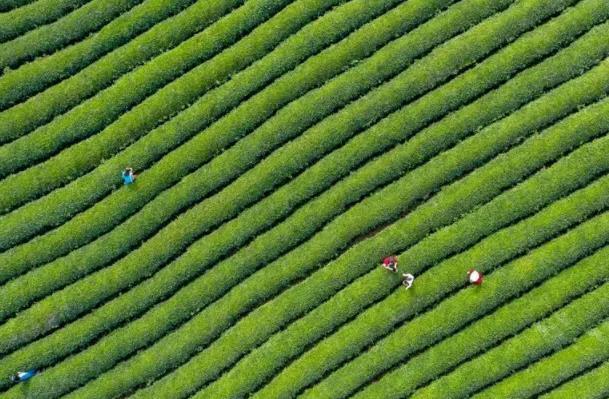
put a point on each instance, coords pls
(391, 263)
(475, 277)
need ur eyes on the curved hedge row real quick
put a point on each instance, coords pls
(291, 160)
(451, 315)
(119, 37)
(196, 293)
(134, 336)
(492, 329)
(312, 370)
(74, 26)
(156, 252)
(202, 183)
(146, 97)
(298, 161)
(181, 160)
(322, 284)
(83, 92)
(21, 224)
(102, 216)
(505, 209)
(592, 385)
(575, 208)
(587, 351)
(347, 193)
(188, 123)
(136, 372)
(8, 5)
(19, 21)
(563, 327)
(110, 381)
(234, 160)
(193, 336)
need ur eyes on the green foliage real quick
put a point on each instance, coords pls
(445, 319)
(500, 325)
(119, 35)
(587, 351)
(236, 160)
(592, 385)
(160, 287)
(74, 26)
(19, 21)
(489, 331)
(541, 339)
(92, 187)
(329, 355)
(8, 5)
(131, 97)
(270, 170)
(292, 159)
(512, 205)
(271, 316)
(283, 148)
(100, 286)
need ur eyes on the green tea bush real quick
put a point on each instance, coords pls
(315, 214)
(74, 26)
(158, 259)
(592, 385)
(149, 95)
(126, 50)
(17, 22)
(563, 327)
(500, 325)
(511, 205)
(175, 348)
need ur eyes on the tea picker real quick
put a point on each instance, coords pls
(128, 176)
(23, 375)
(475, 277)
(408, 280)
(391, 263)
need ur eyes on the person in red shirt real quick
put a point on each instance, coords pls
(391, 263)
(475, 277)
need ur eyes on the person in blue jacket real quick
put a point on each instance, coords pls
(23, 375)
(128, 176)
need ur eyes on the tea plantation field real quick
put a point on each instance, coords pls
(283, 148)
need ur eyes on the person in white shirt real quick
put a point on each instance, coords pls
(475, 277)
(408, 280)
